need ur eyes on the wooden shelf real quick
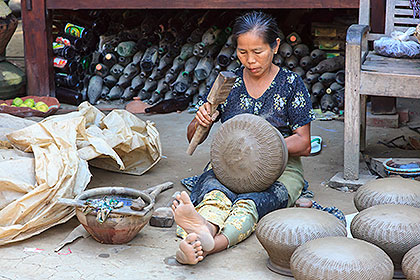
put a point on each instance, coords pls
(199, 4)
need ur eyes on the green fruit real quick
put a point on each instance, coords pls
(39, 103)
(24, 105)
(30, 102)
(42, 107)
(17, 101)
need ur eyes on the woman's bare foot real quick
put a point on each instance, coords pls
(303, 203)
(192, 222)
(190, 250)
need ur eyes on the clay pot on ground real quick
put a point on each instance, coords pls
(333, 258)
(282, 231)
(388, 191)
(411, 264)
(137, 106)
(393, 228)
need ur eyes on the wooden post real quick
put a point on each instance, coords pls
(364, 12)
(38, 50)
(363, 122)
(355, 35)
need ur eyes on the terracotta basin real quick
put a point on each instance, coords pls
(118, 228)
(333, 258)
(282, 231)
(411, 264)
(388, 191)
(393, 228)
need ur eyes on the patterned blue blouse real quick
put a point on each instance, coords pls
(286, 104)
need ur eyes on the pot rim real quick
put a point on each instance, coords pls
(119, 191)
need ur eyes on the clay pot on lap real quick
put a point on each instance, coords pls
(282, 231)
(388, 191)
(248, 154)
(393, 228)
(333, 258)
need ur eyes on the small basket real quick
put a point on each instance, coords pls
(51, 102)
(403, 168)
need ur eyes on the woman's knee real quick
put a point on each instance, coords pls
(241, 222)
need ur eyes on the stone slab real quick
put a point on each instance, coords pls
(339, 183)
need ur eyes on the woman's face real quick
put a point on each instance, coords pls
(254, 53)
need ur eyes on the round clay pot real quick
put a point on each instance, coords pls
(137, 106)
(333, 258)
(388, 191)
(393, 228)
(117, 228)
(411, 264)
(248, 154)
(282, 231)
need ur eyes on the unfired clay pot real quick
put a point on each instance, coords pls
(333, 258)
(411, 264)
(388, 191)
(248, 154)
(393, 228)
(282, 231)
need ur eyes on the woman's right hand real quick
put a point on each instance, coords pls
(203, 115)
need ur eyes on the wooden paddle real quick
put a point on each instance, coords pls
(217, 95)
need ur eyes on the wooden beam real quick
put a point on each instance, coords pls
(38, 50)
(387, 84)
(199, 4)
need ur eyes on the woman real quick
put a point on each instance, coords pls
(214, 217)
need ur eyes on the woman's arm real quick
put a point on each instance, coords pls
(299, 143)
(201, 118)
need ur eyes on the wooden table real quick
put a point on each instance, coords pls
(36, 15)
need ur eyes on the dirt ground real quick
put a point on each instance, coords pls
(150, 254)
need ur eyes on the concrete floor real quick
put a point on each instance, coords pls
(150, 254)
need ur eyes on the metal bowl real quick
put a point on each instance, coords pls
(117, 228)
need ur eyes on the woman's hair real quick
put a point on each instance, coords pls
(260, 22)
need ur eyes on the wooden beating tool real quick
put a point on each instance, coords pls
(217, 95)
